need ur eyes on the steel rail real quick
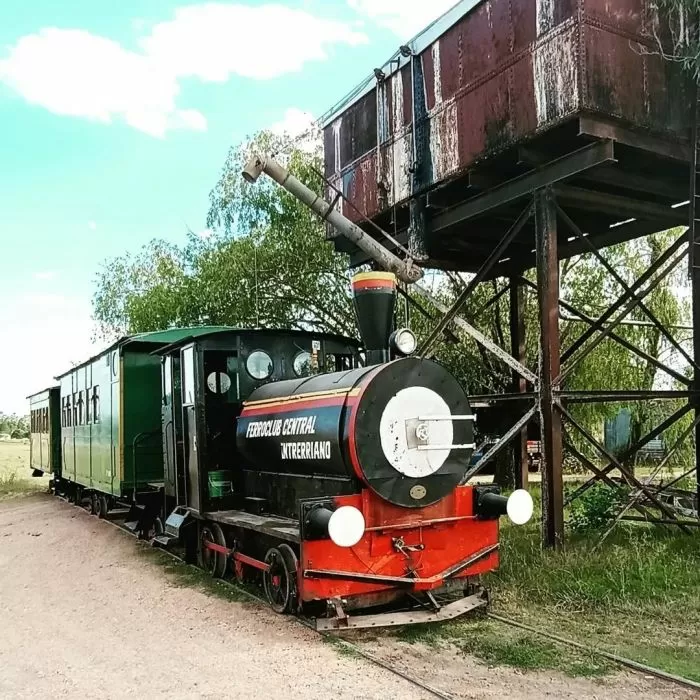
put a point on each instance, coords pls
(443, 695)
(642, 668)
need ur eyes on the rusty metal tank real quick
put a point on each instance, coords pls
(493, 74)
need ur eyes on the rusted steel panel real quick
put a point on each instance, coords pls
(483, 119)
(498, 72)
(615, 82)
(522, 97)
(627, 15)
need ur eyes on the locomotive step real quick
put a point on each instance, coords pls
(164, 541)
(134, 519)
(410, 617)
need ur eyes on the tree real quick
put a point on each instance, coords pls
(677, 38)
(266, 263)
(147, 291)
(14, 425)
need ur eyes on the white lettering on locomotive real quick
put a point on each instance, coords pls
(306, 425)
(265, 428)
(306, 450)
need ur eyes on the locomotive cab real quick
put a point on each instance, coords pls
(205, 380)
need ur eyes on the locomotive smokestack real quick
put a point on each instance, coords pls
(374, 294)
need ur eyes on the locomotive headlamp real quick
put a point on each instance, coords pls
(346, 526)
(491, 505)
(520, 507)
(403, 341)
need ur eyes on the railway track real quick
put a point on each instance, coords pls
(629, 663)
(432, 690)
(435, 692)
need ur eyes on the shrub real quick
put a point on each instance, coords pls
(597, 507)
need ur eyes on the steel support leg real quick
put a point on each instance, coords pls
(517, 350)
(550, 418)
(694, 263)
(695, 281)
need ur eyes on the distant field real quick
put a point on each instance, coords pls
(15, 475)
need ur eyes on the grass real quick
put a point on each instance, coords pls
(15, 475)
(637, 596)
(499, 645)
(188, 576)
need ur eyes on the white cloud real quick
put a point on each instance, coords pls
(214, 41)
(92, 225)
(302, 127)
(31, 365)
(75, 73)
(404, 18)
(44, 275)
(294, 123)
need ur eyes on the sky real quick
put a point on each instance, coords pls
(115, 120)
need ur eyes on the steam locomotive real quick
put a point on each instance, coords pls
(331, 476)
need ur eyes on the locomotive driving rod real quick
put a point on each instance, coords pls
(406, 271)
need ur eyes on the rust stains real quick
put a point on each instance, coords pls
(506, 70)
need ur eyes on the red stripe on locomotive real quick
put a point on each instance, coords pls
(292, 405)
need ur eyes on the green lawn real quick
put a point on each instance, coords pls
(15, 476)
(638, 596)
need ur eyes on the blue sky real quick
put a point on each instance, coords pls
(115, 120)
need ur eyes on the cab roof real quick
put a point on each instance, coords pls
(164, 337)
(167, 340)
(258, 331)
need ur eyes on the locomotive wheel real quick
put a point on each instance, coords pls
(155, 529)
(212, 562)
(101, 506)
(279, 583)
(292, 562)
(221, 559)
(206, 559)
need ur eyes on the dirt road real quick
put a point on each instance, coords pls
(84, 615)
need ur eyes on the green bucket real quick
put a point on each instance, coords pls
(220, 483)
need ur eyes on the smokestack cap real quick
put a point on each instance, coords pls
(374, 294)
(374, 281)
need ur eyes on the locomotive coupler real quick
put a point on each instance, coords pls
(401, 546)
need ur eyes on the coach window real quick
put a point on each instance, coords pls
(96, 404)
(81, 407)
(167, 381)
(46, 420)
(188, 392)
(302, 364)
(88, 406)
(259, 365)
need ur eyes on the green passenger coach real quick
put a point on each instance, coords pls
(110, 421)
(45, 432)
